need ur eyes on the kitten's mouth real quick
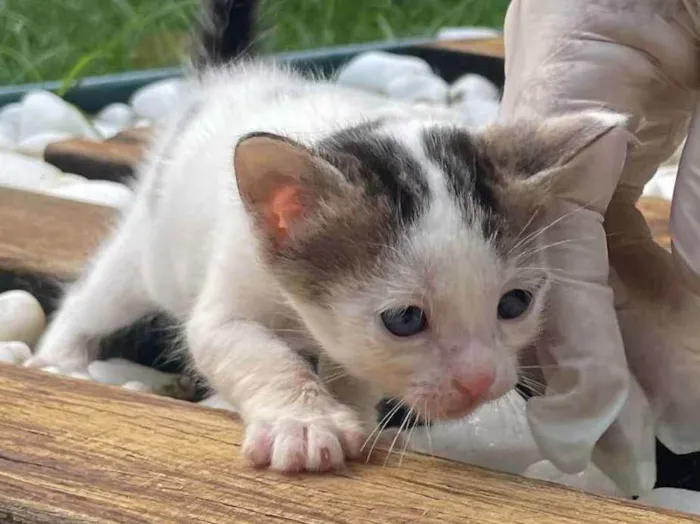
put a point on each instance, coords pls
(437, 408)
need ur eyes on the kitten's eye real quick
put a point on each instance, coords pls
(513, 304)
(404, 321)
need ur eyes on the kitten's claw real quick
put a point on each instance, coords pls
(291, 445)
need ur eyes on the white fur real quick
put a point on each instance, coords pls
(186, 246)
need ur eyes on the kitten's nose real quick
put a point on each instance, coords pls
(474, 386)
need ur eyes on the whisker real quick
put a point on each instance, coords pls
(536, 386)
(403, 424)
(541, 231)
(410, 434)
(380, 427)
(520, 233)
(544, 247)
(428, 428)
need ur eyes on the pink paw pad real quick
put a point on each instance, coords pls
(291, 446)
(257, 447)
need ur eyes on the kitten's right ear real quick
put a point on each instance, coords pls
(550, 157)
(280, 182)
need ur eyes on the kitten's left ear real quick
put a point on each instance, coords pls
(281, 183)
(551, 156)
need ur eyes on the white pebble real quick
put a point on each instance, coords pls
(82, 375)
(14, 352)
(590, 480)
(100, 192)
(36, 145)
(473, 87)
(216, 401)
(21, 317)
(8, 139)
(375, 69)
(64, 179)
(496, 436)
(155, 101)
(663, 183)
(135, 385)
(53, 370)
(45, 113)
(667, 186)
(141, 123)
(119, 371)
(418, 88)
(674, 499)
(113, 119)
(9, 118)
(22, 172)
(466, 33)
(477, 113)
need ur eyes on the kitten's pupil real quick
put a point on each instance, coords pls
(404, 321)
(513, 304)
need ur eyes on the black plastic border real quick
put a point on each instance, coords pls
(92, 93)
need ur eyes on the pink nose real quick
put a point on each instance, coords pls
(475, 386)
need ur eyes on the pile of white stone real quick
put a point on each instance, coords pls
(22, 321)
(496, 436)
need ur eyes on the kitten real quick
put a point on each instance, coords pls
(279, 215)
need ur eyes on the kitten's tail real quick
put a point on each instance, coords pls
(226, 32)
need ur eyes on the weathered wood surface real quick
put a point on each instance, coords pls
(112, 159)
(46, 235)
(74, 451)
(487, 46)
(657, 212)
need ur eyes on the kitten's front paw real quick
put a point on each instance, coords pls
(306, 443)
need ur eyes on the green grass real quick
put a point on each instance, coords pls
(66, 39)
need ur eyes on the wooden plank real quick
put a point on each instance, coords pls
(657, 213)
(113, 159)
(47, 235)
(487, 46)
(75, 451)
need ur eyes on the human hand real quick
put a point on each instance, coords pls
(568, 55)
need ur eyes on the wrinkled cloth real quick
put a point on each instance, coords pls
(607, 401)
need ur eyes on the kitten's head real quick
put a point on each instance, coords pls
(411, 249)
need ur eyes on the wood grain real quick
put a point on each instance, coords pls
(46, 235)
(657, 212)
(487, 46)
(74, 451)
(114, 159)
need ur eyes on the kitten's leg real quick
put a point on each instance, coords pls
(350, 391)
(292, 422)
(109, 296)
(363, 398)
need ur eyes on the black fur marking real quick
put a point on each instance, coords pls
(470, 175)
(226, 32)
(382, 166)
(384, 192)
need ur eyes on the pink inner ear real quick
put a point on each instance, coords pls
(282, 209)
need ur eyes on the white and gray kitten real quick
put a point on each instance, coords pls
(279, 215)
